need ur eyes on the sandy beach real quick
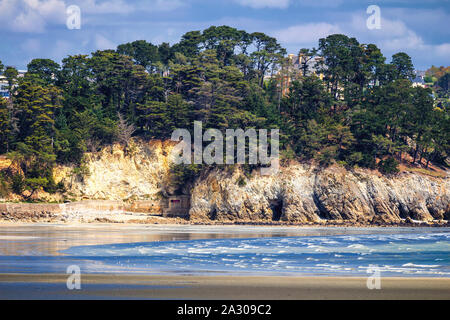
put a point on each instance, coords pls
(34, 258)
(48, 286)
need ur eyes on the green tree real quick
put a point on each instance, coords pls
(77, 87)
(119, 83)
(306, 56)
(341, 63)
(143, 53)
(35, 149)
(47, 70)
(11, 74)
(224, 40)
(189, 45)
(4, 126)
(444, 82)
(267, 56)
(403, 66)
(165, 53)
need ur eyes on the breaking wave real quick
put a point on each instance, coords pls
(406, 254)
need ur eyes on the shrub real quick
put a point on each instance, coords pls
(4, 187)
(34, 184)
(18, 184)
(182, 174)
(354, 158)
(52, 187)
(388, 166)
(327, 156)
(241, 181)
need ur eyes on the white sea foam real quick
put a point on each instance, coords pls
(312, 259)
(401, 254)
(420, 265)
(358, 246)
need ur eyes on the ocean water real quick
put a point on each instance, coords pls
(404, 252)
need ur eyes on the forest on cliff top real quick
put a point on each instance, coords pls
(344, 103)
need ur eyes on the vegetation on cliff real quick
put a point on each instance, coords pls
(364, 109)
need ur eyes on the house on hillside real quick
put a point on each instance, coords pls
(294, 69)
(4, 91)
(418, 80)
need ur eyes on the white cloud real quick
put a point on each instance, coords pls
(394, 36)
(320, 3)
(34, 16)
(258, 4)
(283, 4)
(28, 22)
(49, 9)
(443, 50)
(126, 7)
(31, 15)
(431, 20)
(105, 7)
(164, 5)
(102, 43)
(306, 33)
(7, 7)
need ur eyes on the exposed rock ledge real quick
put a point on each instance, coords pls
(301, 194)
(298, 193)
(91, 211)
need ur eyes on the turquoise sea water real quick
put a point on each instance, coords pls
(395, 255)
(242, 251)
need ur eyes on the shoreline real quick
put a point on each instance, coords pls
(144, 212)
(156, 220)
(120, 286)
(47, 279)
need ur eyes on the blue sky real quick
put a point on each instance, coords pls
(37, 28)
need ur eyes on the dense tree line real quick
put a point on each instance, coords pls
(363, 110)
(439, 79)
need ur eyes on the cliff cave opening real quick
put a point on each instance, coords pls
(277, 209)
(213, 214)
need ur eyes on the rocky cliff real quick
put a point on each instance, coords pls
(137, 172)
(298, 193)
(301, 193)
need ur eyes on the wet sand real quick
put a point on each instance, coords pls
(53, 286)
(31, 239)
(45, 240)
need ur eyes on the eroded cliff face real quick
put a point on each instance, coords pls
(137, 173)
(298, 193)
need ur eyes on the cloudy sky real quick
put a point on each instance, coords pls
(37, 28)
